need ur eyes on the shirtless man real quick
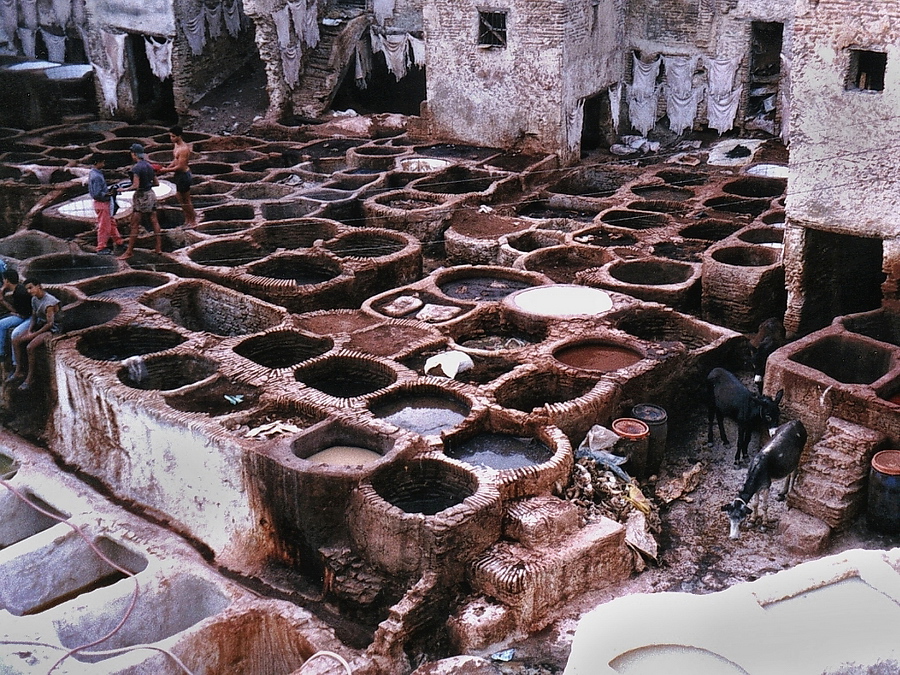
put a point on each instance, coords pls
(182, 175)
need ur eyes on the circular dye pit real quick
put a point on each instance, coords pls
(657, 325)
(229, 212)
(87, 314)
(662, 193)
(768, 170)
(427, 486)
(126, 286)
(734, 204)
(634, 220)
(482, 288)
(286, 210)
(222, 397)
(226, 253)
(755, 186)
(500, 451)
(122, 342)
(536, 390)
(282, 349)
(456, 180)
(710, 230)
(747, 256)
(541, 210)
(454, 151)
(685, 251)
(61, 268)
(682, 178)
(423, 413)
(166, 372)
(331, 322)
(562, 300)
(597, 356)
(600, 237)
(421, 164)
(302, 270)
(302, 233)
(773, 237)
(344, 455)
(563, 263)
(367, 245)
(651, 272)
(346, 376)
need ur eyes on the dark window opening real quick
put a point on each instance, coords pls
(153, 99)
(383, 92)
(867, 70)
(597, 123)
(492, 29)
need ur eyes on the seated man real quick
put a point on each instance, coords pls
(17, 302)
(32, 334)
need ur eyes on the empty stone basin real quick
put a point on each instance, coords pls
(262, 191)
(634, 220)
(498, 451)
(592, 181)
(202, 306)
(80, 138)
(879, 325)
(135, 132)
(69, 569)
(293, 234)
(18, 521)
(166, 372)
(229, 212)
(87, 313)
(301, 269)
(710, 230)
(456, 180)
(163, 609)
(210, 168)
(119, 145)
(662, 193)
(426, 486)
(660, 325)
(288, 210)
(61, 268)
(651, 272)
(121, 342)
(536, 390)
(682, 178)
(744, 205)
(747, 256)
(123, 286)
(845, 359)
(424, 410)
(531, 240)
(221, 397)
(346, 376)
(563, 263)
(771, 237)
(755, 186)
(597, 355)
(226, 253)
(283, 349)
(367, 244)
(381, 157)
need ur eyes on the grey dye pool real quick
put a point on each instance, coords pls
(425, 415)
(500, 451)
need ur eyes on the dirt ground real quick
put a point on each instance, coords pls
(696, 555)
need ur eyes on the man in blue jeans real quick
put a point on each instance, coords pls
(17, 302)
(31, 335)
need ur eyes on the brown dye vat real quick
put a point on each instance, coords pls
(258, 164)
(482, 289)
(211, 400)
(220, 227)
(282, 349)
(337, 321)
(87, 314)
(651, 272)
(241, 177)
(747, 256)
(409, 203)
(453, 151)
(61, 268)
(424, 486)
(660, 206)
(80, 138)
(846, 360)
(205, 201)
(424, 413)
(597, 356)
(541, 210)
(490, 226)
(756, 186)
(389, 339)
(262, 191)
(121, 145)
(682, 178)
(686, 251)
(563, 263)
(228, 253)
(593, 181)
(661, 326)
(291, 234)
(166, 372)
(122, 342)
(333, 147)
(662, 193)
(302, 270)
(710, 230)
(327, 195)
(773, 218)
(346, 376)
(229, 212)
(288, 210)
(532, 240)
(634, 220)
(366, 245)
(514, 162)
(499, 451)
(233, 157)
(741, 205)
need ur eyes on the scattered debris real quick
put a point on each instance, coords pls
(688, 481)
(272, 429)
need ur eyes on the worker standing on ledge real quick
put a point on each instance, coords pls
(144, 178)
(182, 174)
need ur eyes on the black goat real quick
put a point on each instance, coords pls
(728, 397)
(780, 458)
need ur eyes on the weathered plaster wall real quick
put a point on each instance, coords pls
(521, 93)
(148, 17)
(844, 153)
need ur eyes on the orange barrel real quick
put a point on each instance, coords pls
(634, 443)
(883, 508)
(656, 418)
